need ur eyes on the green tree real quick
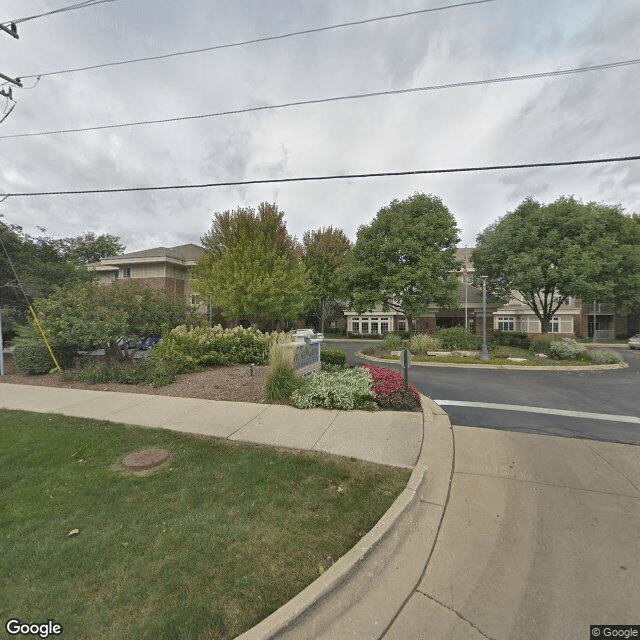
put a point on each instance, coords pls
(252, 268)
(89, 247)
(38, 264)
(325, 252)
(88, 316)
(542, 254)
(405, 259)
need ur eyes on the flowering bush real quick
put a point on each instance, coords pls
(188, 349)
(566, 349)
(347, 389)
(386, 381)
(389, 392)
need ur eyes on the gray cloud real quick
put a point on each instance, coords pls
(584, 116)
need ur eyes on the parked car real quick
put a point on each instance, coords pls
(147, 342)
(634, 341)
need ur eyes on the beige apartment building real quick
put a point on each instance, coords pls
(167, 268)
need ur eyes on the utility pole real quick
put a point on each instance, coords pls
(484, 354)
(12, 30)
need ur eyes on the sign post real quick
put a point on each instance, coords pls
(405, 360)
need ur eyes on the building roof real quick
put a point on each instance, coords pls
(185, 254)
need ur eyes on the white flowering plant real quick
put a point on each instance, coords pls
(196, 347)
(566, 349)
(347, 389)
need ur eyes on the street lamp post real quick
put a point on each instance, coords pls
(484, 354)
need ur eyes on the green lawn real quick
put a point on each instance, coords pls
(204, 547)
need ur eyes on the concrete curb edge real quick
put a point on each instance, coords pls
(314, 594)
(506, 367)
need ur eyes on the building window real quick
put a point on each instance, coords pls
(374, 325)
(384, 325)
(355, 325)
(195, 299)
(402, 325)
(126, 272)
(364, 326)
(114, 277)
(505, 323)
(567, 301)
(554, 325)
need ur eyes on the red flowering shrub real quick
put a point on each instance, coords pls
(388, 389)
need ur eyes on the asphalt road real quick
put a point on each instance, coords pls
(613, 395)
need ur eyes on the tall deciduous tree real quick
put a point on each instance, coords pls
(544, 253)
(405, 259)
(89, 247)
(39, 263)
(88, 315)
(325, 252)
(252, 268)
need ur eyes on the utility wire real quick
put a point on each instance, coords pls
(356, 96)
(243, 43)
(72, 7)
(351, 176)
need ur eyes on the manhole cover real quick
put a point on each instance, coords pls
(147, 459)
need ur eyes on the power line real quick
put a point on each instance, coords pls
(356, 96)
(351, 176)
(243, 43)
(72, 7)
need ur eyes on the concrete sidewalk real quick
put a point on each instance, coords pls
(392, 438)
(499, 535)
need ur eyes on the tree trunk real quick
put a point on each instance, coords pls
(323, 313)
(544, 324)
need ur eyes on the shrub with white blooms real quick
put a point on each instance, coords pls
(348, 389)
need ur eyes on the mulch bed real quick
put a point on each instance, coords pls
(222, 383)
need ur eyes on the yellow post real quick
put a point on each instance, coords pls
(44, 337)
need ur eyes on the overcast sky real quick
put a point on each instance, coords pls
(581, 116)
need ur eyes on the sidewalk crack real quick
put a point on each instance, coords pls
(615, 468)
(325, 431)
(248, 422)
(448, 608)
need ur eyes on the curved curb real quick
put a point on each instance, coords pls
(346, 567)
(313, 595)
(506, 367)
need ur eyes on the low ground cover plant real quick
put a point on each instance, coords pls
(346, 389)
(389, 392)
(202, 548)
(153, 370)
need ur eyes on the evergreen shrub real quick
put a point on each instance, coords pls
(458, 339)
(332, 356)
(393, 342)
(541, 343)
